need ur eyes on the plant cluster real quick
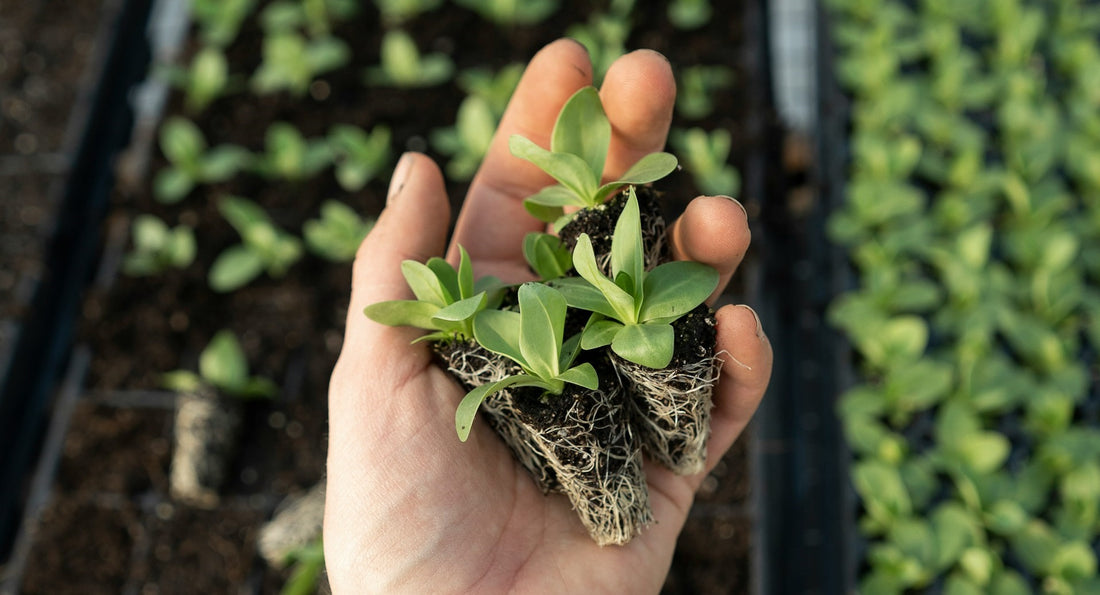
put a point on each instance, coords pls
(973, 220)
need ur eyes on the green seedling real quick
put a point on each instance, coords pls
(705, 157)
(397, 12)
(219, 21)
(192, 162)
(359, 156)
(495, 88)
(263, 247)
(446, 299)
(337, 234)
(509, 13)
(578, 149)
(316, 17)
(204, 81)
(290, 156)
(633, 311)
(402, 65)
(689, 14)
(291, 62)
(604, 36)
(158, 247)
(534, 339)
(695, 91)
(309, 563)
(222, 367)
(468, 140)
(546, 255)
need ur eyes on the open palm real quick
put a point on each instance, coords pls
(409, 507)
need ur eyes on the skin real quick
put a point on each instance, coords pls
(410, 508)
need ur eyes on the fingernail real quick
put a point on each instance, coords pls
(736, 202)
(759, 327)
(400, 176)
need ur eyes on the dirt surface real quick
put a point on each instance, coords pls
(291, 327)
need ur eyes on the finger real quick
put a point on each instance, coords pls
(413, 226)
(493, 221)
(746, 368)
(713, 230)
(638, 94)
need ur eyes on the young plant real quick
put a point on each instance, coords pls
(316, 17)
(192, 163)
(546, 255)
(604, 36)
(359, 156)
(158, 247)
(291, 62)
(468, 140)
(633, 311)
(219, 21)
(397, 12)
(533, 338)
(509, 13)
(337, 234)
(689, 14)
(446, 299)
(694, 93)
(705, 157)
(264, 247)
(402, 65)
(289, 156)
(578, 150)
(223, 367)
(495, 88)
(205, 80)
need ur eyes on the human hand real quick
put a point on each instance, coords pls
(410, 508)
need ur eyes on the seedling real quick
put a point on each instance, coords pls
(337, 234)
(264, 247)
(604, 36)
(533, 338)
(315, 16)
(468, 140)
(446, 299)
(705, 157)
(578, 149)
(191, 162)
(204, 81)
(219, 21)
(403, 66)
(158, 247)
(397, 12)
(634, 309)
(694, 93)
(359, 156)
(546, 255)
(222, 366)
(288, 155)
(291, 62)
(309, 562)
(495, 88)
(689, 14)
(509, 13)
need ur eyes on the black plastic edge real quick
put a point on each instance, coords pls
(43, 346)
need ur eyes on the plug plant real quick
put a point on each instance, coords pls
(223, 369)
(447, 299)
(509, 13)
(291, 62)
(192, 162)
(314, 17)
(705, 157)
(689, 14)
(578, 151)
(468, 140)
(219, 21)
(403, 66)
(263, 248)
(290, 156)
(396, 13)
(337, 234)
(359, 156)
(695, 90)
(158, 247)
(205, 80)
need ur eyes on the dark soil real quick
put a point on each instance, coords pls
(599, 223)
(696, 334)
(291, 328)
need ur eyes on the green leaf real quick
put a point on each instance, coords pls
(223, 363)
(546, 256)
(600, 333)
(650, 345)
(467, 409)
(181, 141)
(498, 331)
(447, 275)
(181, 381)
(542, 324)
(984, 451)
(234, 268)
(582, 129)
(582, 295)
(462, 309)
(403, 313)
(425, 284)
(257, 388)
(223, 162)
(242, 214)
(648, 169)
(676, 288)
(569, 170)
(627, 252)
(171, 184)
(582, 375)
(540, 204)
(465, 276)
(584, 260)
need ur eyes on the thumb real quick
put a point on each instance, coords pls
(413, 226)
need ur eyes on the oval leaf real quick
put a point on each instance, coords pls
(542, 328)
(467, 409)
(498, 331)
(584, 260)
(569, 170)
(403, 313)
(462, 309)
(600, 333)
(675, 288)
(582, 375)
(648, 169)
(582, 295)
(424, 283)
(234, 268)
(582, 129)
(650, 345)
(223, 364)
